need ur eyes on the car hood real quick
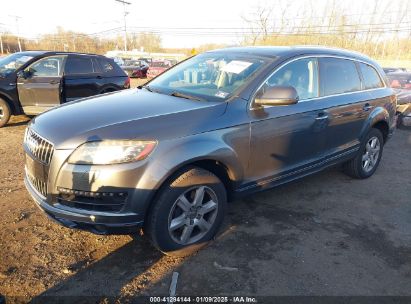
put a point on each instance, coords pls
(129, 114)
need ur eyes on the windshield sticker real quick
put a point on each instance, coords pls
(221, 94)
(236, 66)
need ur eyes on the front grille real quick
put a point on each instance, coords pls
(39, 147)
(39, 185)
(92, 201)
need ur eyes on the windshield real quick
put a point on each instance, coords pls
(208, 75)
(12, 62)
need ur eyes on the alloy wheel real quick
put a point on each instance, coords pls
(371, 154)
(192, 215)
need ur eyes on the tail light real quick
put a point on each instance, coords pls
(127, 83)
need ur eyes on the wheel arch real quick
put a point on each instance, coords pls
(216, 157)
(382, 125)
(378, 119)
(108, 89)
(10, 103)
(212, 165)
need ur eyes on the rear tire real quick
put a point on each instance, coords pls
(5, 112)
(369, 155)
(187, 212)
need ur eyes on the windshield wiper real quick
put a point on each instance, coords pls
(186, 96)
(145, 87)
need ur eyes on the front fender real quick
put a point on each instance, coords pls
(176, 154)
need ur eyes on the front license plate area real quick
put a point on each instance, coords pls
(35, 168)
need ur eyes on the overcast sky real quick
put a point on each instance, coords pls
(92, 16)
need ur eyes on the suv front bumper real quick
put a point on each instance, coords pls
(96, 222)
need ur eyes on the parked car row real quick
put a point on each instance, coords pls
(35, 81)
(135, 68)
(400, 81)
(145, 67)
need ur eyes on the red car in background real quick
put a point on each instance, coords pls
(401, 83)
(157, 67)
(135, 68)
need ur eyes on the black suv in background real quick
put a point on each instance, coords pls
(35, 81)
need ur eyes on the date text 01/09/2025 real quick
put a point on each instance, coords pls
(203, 299)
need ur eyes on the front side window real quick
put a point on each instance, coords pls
(214, 76)
(79, 65)
(47, 67)
(370, 76)
(338, 76)
(301, 74)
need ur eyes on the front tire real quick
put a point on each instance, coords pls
(187, 212)
(5, 113)
(369, 155)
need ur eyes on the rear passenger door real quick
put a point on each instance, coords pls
(81, 77)
(346, 101)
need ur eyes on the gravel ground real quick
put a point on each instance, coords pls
(326, 234)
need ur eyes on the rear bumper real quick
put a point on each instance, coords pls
(95, 222)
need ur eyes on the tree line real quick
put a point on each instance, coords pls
(379, 32)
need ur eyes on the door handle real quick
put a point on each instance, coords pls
(99, 77)
(54, 82)
(367, 107)
(321, 116)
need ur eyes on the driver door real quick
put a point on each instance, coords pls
(40, 85)
(286, 140)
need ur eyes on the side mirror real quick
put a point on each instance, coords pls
(277, 96)
(20, 74)
(26, 73)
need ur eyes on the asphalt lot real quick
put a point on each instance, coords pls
(326, 234)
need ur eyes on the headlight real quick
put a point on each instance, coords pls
(111, 152)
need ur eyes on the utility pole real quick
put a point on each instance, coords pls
(18, 31)
(125, 22)
(1, 38)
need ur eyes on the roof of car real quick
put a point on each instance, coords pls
(290, 51)
(39, 53)
(399, 74)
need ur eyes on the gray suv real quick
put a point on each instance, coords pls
(166, 157)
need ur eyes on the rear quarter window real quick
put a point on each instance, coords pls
(109, 67)
(371, 78)
(338, 76)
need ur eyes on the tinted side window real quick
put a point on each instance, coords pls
(370, 76)
(79, 65)
(301, 74)
(338, 76)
